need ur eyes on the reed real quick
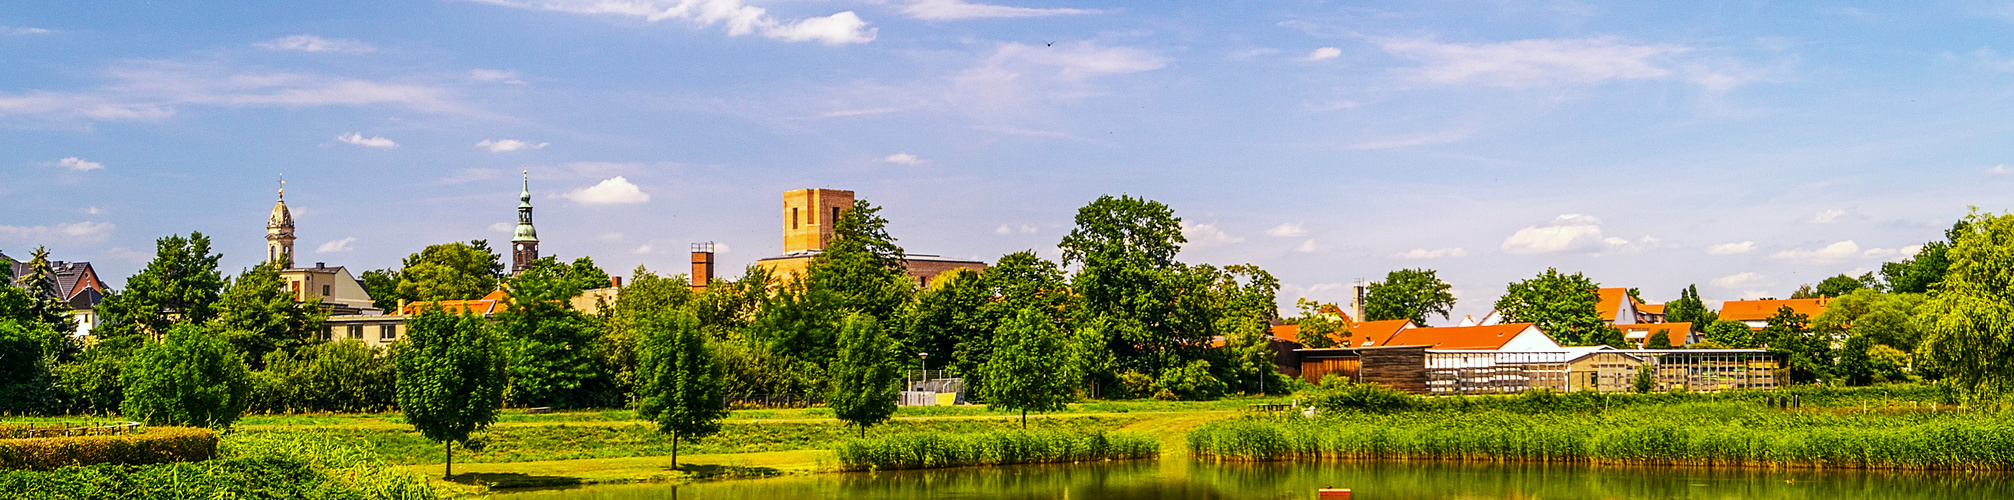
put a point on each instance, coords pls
(1695, 434)
(924, 450)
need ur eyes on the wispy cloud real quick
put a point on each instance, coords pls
(342, 245)
(946, 10)
(1207, 235)
(152, 90)
(1740, 280)
(905, 159)
(508, 145)
(1005, 229)
(1287, 230)
(76, 232)
(79, 164)
(2000, 169)
(358, 138)
(613, 191)
(1422, 253)
(1323, 53)
(1825, 255)
(1826, 217)
(739, 18)
(1306, 246)
(1533, 62)
(1731, 248)
(496, 75)
(22, 30)
(1574, 233)
(311, 43)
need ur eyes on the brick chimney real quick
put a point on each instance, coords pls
(702, 265)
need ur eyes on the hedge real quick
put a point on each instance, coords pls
(151, 445)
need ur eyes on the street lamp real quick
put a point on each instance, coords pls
(926, 365)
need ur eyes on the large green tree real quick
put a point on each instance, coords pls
(47, 305)
(451, 271)
(1874, 325)
(1125, 249)
(451, 377)
(1030, 370)
(864, 375)
(1690, 309)
(1563, 305)
(1968, 321)
(1730, 334)
(551, 345)
(1920, 272)
(192, 378)
(180, 285)
(1841, 285)
(1806, 352)
(680, 380)
(383, 285)
(1408, 294)
(26, 384)
(1320, 325)
(259, 315)
(861, 270)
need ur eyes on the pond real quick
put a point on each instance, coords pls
(1176, 479)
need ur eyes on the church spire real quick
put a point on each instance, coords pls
(280, 230)
(524, 244)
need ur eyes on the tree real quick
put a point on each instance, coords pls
(47, 305)
(1689, 309)
(1645, 381)
(1030, 369)
(863, 377)
(1804, 291)
(1126, 248)
(259, 315)
(551, 345)
(636, 309)
(179, 286)
(1731, 334)
(1807, 354)
(26, 385)
(1841, 285)
(861, 270)
(1408, 294)
(451, 377)
(1920, 272)
(1562, 305)
(191, 378)
(680, 385)
(1320, 326)
(1659, 339)
(383, 285)
(1968, 321)
(450, 271)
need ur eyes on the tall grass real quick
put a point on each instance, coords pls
(1698, 434)
(251, 467)
(924, 450)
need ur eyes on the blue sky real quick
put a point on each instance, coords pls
(1745, 147)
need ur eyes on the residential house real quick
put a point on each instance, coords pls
(1756, 313)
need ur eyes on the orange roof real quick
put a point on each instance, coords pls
(1611, 301)
(1651, 308)
(1759, 310)
(1287, 332)
(1376, 333)
(1643, 331)
(493, 303)
(1487, 337)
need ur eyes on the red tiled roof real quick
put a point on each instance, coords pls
(1487, 337)
(1678, 331)
(493, 303)
(1611, 301)
(1651, 308)
(1759, 310)
(1377, 333)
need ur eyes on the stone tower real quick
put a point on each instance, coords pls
(280, 232)
(524, 245)
(809, 216)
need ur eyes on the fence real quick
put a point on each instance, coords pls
(923, 388)
(764, 401)
(1499, 372)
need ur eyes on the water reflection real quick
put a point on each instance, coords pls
(1370, 481)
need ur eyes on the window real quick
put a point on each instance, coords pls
(328, 333)
(357, 332)
(325, 290)
(793, 218)
(388, 332)
(835, 217)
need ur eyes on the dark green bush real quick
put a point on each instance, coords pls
(148, 446)
(249, 467)
(344, 376)
(194, 377)
(1339, 394)
(1191, 382)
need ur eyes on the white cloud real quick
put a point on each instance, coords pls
(1830, 253)
(22, 30)
(99, 211)
(1826, 217)
(1205, 235)
(506, 145)
(342, 245)
(311, 43)
(370, 142)
(504, 227)
(1756, 294)
(905, 159)
(1740, 280)
(1880, 253)
(946, 10)
(1533, 62)
(615, 190)
(1008, 229)
(1306, 246)
(1731, 248)
(79, 164)
(738, 18)
(643, 249)
(1324, 53)
(1287, 230)
(1912, 250)
(496, 75)
(2000, 169)
(1566, 233)
(152, 90)
(1422, 253)
(79, 232)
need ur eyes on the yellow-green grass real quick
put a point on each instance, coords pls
(553, 473)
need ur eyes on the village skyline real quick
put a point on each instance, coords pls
(1650, 147)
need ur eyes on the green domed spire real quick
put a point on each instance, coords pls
(524, 230)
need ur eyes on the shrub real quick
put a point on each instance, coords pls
(149, 446)
(1339, 394)
(343, 376)
(192, 378)
(248, 467)
(1192, 382)
(925, 450)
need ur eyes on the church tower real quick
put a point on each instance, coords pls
(280, 232)
(524, 245)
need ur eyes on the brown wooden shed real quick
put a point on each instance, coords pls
(1398, 367)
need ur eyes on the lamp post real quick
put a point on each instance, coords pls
(926, 365)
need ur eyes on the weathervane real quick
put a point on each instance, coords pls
(283, 185)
